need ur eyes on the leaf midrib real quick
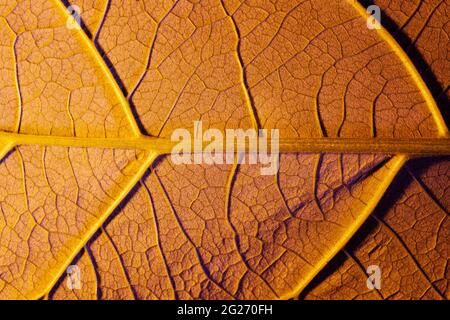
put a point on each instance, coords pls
(412, 147)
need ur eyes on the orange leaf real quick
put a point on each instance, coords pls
(87, 180)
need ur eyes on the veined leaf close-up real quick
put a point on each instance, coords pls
(92, 91)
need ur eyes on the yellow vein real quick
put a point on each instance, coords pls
(86, 41)
(244, 83)
(394, 166)
(413, 147)
(431, 103)
(60, 269)
(16, 76)
(5, 148)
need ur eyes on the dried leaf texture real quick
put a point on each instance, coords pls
(54, 85)
(422, 28)
(407, 237)
(418, 266)
(141, 227)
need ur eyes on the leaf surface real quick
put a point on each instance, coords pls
(311, 69)
(55, 84)
(414, 253)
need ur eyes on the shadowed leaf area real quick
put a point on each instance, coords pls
(87, 180)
